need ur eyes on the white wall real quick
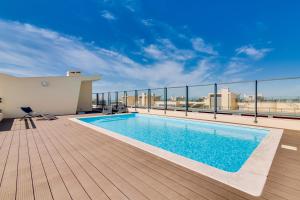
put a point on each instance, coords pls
(85, 96)
(60, 97)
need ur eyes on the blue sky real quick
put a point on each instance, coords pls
(141, 44)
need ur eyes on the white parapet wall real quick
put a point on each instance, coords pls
(55, 95)
(235, 119)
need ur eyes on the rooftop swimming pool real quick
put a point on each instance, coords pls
(236, 155)
(221, 146)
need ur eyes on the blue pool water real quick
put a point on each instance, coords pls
(222, 146)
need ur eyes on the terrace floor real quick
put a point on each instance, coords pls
(64, 160)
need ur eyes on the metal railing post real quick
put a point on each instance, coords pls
(117, 99)
(97, 99)
(110, 103)
(107, 100)
(165, 99)
(149, 100)
(215, 100)
(256, 99)
(102, 100)
(135, 99)
(186, 100)
(125, 98)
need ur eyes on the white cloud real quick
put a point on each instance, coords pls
(108, 15)
(42, 50)
(154, 52)
(130, 8)
(200, 45)
(235, 66)
(147, 22)
(171, 73)
(130, 5)
(165, 49)
(240, 66)
(27, 50)
(252, 52)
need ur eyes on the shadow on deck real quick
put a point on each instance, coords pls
(8, 124)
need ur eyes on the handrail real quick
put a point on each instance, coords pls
(209, 84)
(210, 100)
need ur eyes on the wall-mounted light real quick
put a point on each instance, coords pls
(45, 83)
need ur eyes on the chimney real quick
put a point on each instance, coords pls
(73, 73)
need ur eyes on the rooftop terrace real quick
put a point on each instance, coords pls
(64, 160)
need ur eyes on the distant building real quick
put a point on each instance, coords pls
(271, 106)
(226, 100)
(142, 100)
(252, 97)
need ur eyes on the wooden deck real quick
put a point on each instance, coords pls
(64, 160)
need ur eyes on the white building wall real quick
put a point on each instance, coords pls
(54, 95)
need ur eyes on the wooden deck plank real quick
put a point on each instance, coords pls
(148, 190)
(24, 182)
(40, 181)
(71, 181)
(56, 183)
(2, 138)
(189, 192)
(285, 180)
(4, 151)
(121, 183)
(8, 186)
(103, 182)
(16, 125)
(86, 181)
(190, 180)
(282, 191)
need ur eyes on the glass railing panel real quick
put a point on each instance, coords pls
(102, 101)
(113, 98)
(276, 97)
(157, 98)
(142, 100)
(106, 98)
(176, 97)
(279, 97)
(94, 100)
(201, 98)
(131, 99)
(121, 98)
(237, 97)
